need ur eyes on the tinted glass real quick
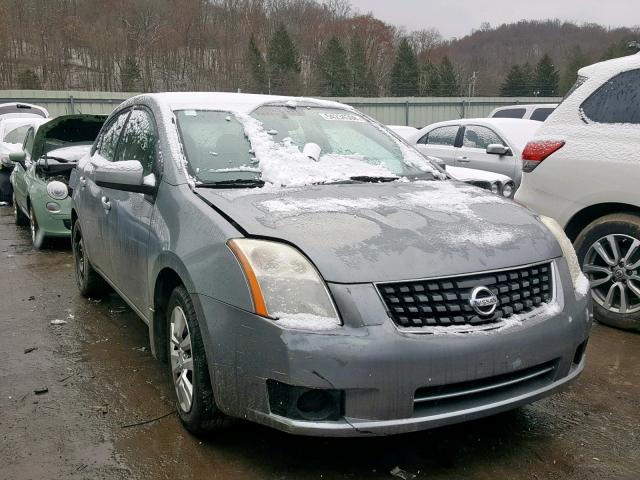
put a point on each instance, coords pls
(28, 141)
(479, 137)
(138, 141)
(510, 113)
(108, 142)
(541, 114)
(442, 136)
(16, 135)
(617, 101)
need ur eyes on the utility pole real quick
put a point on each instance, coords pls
(472, 84)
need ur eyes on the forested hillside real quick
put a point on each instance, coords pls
(281, 46)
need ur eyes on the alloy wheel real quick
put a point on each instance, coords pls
(181, 356)
(612, 265)
(78, 245)
(33, 225)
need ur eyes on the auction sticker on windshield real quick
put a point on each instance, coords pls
(342, 117)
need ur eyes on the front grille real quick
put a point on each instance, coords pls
(445, 302)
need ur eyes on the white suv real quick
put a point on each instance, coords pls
(583, 169)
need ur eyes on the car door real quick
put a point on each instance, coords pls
(440, 142)
(130, 213)
(473, 152)
(90, 202)
(20, 185)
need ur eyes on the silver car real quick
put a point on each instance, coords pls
(299, 266)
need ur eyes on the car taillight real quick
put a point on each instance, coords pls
(536, 151)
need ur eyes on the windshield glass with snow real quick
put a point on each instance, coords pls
(301, 145)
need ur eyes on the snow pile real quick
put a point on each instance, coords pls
(582, 285)
(306, 321)
(284, 165)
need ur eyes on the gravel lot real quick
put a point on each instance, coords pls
(101, 383)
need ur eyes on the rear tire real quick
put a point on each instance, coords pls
(614, 237)
(89, 282)
(188, 367)
(19, 217)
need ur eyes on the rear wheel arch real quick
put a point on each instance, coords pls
(587, 215)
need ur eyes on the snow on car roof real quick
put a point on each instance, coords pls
(232, 102)
(609, 67)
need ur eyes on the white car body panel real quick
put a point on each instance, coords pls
(599, 163)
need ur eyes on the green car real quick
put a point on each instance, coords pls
(40, 179)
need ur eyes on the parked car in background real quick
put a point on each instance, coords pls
(583, 169)
(40, 178)
(494, 182)
(15, 119)
(490, 144)
(539, 112)
(291, 257)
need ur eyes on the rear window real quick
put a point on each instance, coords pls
(541, 114)
(510, 113)
(617, 101)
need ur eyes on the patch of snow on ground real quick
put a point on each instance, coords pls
(306, 321)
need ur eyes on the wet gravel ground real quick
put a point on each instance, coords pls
(101, 382)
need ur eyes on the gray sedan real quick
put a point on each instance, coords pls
(300, 266)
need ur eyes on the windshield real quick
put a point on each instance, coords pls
(299, 145)
(15, 131)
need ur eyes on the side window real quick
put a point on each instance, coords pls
(479, 137)
(617, 101)
(108, 142)
(541, 114)
(441, 136)
(138, 141)
(510, 113)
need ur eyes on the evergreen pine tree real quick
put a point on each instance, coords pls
(405, 75)
(335, 70)
(284, 66)
(576, 59)
(529, 80)
(258, 81)
(429, 79)
(547, 78)
(449, 85)
(130, 75)
(514, 83)
(363, 82)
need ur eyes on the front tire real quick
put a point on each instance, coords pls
(609, 252)
(188, 367)
(37, 237)
(19, 217)
(89, 282)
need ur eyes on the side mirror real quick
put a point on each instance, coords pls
(126, 175)
(498, 149)
(19, 158)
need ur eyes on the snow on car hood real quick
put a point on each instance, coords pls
(360, 233)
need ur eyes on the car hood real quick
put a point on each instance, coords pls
(360, 233)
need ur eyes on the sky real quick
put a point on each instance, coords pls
(456, 18)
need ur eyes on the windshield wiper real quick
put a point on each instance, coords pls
(237, 183)
(368, 179)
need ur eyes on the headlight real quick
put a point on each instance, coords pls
(284, 285)
(580, 282)
(495, 188)
(508, 189)
(57, 190)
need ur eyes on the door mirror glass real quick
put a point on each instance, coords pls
(497, 149)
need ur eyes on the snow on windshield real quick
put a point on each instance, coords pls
(292, 146)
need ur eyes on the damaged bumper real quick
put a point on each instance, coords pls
(373, 379)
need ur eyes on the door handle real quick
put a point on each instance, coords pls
(463, 159)
(106, 204)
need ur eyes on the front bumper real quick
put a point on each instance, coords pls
(51, 224)
(380, 369)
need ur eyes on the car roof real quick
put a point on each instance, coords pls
(231, 102)
(610, 67)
